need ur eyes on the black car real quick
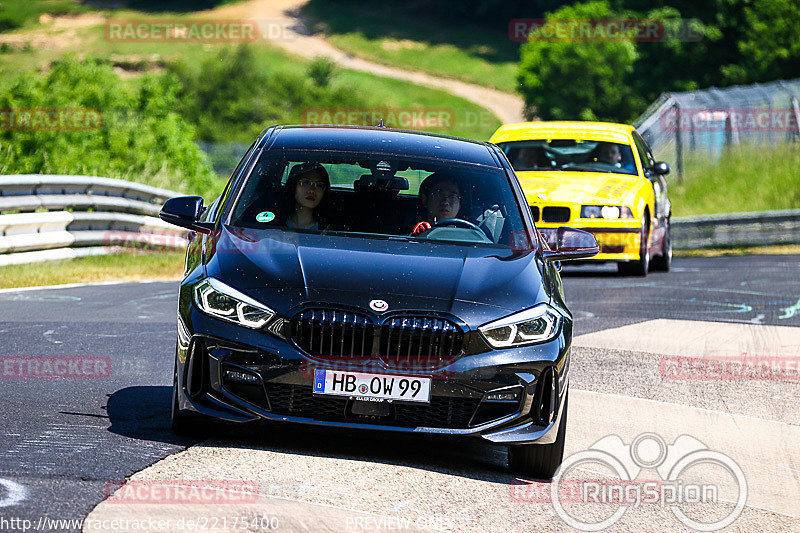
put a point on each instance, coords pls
(378, 279)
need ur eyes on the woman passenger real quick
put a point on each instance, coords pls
(305, 192)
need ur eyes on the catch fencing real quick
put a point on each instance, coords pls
(702, 123)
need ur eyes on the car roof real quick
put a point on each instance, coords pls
(559, 129)
(380, 140)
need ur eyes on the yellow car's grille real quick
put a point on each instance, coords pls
(555, 214)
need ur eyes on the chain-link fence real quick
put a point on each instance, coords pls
(703, 123)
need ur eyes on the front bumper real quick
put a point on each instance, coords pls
(620, 242)
(280, 381)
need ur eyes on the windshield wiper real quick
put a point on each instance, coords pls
(536, 168)
(589, 169)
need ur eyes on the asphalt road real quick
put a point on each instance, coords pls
(62, 441)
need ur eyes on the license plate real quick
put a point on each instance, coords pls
(372, 387)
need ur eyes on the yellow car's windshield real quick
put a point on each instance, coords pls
(574, 155)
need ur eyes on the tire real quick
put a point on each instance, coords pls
(540, 461)
(663, 261)
(641, 266)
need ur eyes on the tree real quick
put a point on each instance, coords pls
(770, 46)
(574, 79)
(112, 128)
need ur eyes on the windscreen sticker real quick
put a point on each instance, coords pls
(265, 216)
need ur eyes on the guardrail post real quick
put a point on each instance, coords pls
(678, 143)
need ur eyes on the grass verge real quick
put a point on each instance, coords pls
(780, 249)
(117, 267)
(16, 14)
(397, 35)
(744, 178)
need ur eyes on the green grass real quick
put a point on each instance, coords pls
(464, 119)
(778, 249)
(119, 267)
(399, 36)
(745, 178)
(15, 14)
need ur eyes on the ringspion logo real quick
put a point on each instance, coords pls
(687, 474)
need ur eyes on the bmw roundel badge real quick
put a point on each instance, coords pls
(379, 306)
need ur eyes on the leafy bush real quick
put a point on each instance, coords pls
(140, 136)
(320, 71)
(232, 97)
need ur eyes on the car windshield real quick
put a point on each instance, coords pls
(389, 197)
(574, 155)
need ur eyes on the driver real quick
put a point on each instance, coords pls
(609, 153)
(440, 198)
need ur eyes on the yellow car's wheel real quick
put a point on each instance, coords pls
(663, 261)
(642, 265)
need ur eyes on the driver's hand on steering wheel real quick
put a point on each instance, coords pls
(422, 227)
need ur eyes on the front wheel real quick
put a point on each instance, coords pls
(540, 461)
(642, 265)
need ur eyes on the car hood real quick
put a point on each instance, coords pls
(578, 187)
(286, 269)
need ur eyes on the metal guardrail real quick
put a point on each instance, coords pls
(124, 215)
(84, 215)
(736, 229)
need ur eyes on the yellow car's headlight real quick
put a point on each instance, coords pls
(608, 212)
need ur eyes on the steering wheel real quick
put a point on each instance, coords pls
(461, 223)
(458, 222)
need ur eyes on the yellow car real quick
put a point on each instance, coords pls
(598, 177)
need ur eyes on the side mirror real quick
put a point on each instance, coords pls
(572, 244)
(184, 211)
(660, 167)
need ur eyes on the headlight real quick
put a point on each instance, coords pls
(226, 303)
(531, 326)
(608, 212)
